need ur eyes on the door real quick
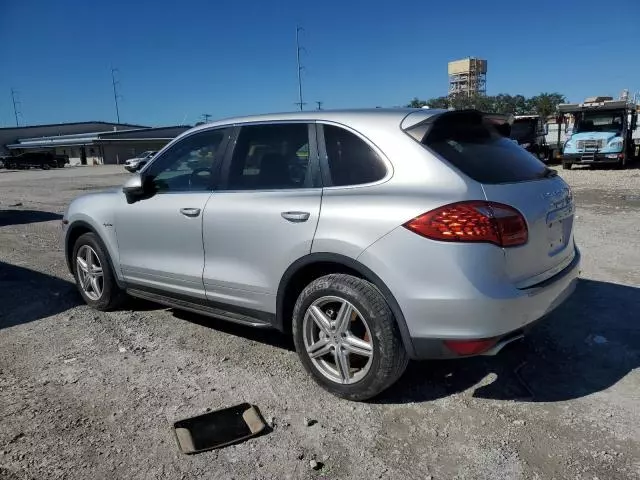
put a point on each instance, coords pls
(160, 237)
(264, 215)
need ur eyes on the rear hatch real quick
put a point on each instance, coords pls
(511, 176)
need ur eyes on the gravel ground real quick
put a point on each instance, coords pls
(85, 394)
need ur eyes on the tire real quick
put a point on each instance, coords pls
(388, 357)
(550, 157)
(111, 296)
(567, 165)
(45, 166)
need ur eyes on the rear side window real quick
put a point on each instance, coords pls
(351, 160)
(474, 147)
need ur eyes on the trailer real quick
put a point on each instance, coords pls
(530, 132)
(44, 160)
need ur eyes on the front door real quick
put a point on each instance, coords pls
(264, 215)
(160, 237)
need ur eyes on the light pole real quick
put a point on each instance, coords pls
(300, 102)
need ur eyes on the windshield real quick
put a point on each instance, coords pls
(523, 128)
(600, 122)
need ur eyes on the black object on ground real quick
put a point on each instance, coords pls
(219, 428)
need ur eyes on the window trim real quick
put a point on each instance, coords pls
(216, 170)
(324, 158)
(312, 177)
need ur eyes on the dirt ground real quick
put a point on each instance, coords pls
(85, 394)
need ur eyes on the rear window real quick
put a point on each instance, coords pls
(473, 146)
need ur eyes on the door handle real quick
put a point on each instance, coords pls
(190, 212)
(296, 217)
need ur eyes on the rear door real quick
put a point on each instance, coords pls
(264, 215)
(512, 176)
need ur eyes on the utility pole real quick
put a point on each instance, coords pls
(206, 117)
(319, 102)
(300, 103)
(115, 91)
(15, 106)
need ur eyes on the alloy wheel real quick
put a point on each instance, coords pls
(337, 340)
(90, 275)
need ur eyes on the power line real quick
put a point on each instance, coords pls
(17, 102)
(115, 91)
(300, 103)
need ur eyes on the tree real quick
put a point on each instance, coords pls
(439, 102)
(546, 104)
(416, 103)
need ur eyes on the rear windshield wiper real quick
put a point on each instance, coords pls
(549, 172)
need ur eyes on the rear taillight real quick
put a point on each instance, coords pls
(473, 221)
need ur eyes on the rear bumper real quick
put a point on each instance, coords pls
(454, 296)
(589, 158)
(531, 307)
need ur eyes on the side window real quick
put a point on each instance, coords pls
(351, 160)
(188, 165)
(270, 157)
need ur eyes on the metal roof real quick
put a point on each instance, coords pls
(45, 125)
(603, 105)
(78, 139)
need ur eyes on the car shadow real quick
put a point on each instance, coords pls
(587, 345)
(27, 295)
(268, 336)
(20, 217)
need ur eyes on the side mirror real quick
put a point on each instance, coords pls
(134, 188)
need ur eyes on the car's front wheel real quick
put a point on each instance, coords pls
(347, 337)
(94, 277)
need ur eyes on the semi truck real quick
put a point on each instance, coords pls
(602, 133)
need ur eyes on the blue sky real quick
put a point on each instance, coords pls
(177, 60)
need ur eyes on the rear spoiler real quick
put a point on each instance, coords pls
(418, 123)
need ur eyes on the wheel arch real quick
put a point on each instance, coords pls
(75, 231)
(312, 266)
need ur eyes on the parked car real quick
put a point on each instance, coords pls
(412, 234)
(136, 163)
(44, 160)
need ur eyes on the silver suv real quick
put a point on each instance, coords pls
(371, 236)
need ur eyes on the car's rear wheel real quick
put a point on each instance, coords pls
(567, 165)
(347, 338)
(94, 277)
